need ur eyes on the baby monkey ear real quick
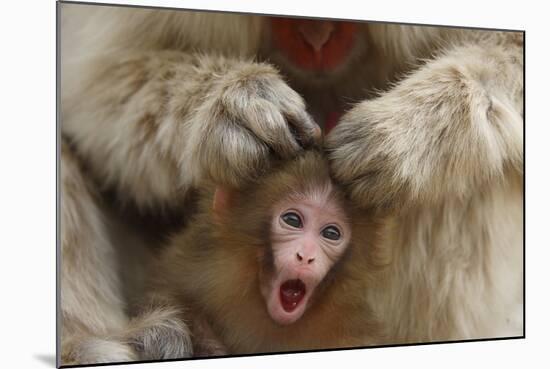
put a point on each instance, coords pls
(223, 198)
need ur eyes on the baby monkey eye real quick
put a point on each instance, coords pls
(331, 233)
(292, 219)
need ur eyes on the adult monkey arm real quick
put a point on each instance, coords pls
(448, 129)
(151, 105)
(152, 121)
(442, 150)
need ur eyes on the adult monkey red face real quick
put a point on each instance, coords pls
(314, 45)
(320, 53)
(309, 233)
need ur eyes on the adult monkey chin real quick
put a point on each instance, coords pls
(162, 102)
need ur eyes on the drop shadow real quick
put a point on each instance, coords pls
(47, 359)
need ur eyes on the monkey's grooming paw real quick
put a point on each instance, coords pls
(367, 153)
(438, 134)
(159, 335)
(250, 116)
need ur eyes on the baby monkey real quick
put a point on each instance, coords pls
(270, 267)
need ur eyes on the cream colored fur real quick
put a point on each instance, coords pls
(443, 150)
(154, 103)
(91, 290)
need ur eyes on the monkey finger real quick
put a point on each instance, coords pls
(348, 157)
(291, 104)
(232, 154)
(305, 130)
(266, 121)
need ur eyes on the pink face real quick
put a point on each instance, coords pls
(309, 234)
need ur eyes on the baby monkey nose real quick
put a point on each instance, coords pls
(300, 258)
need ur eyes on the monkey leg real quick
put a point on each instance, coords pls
(159, 333)
(90, 288)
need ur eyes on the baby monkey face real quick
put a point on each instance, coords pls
(309, 233)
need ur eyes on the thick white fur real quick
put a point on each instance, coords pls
(91, 290)
(442, 151)
(155, 102)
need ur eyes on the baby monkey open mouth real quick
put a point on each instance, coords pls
(292, 292)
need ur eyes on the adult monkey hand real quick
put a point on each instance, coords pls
(443, 133)
(250, 114)
(184, 118)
